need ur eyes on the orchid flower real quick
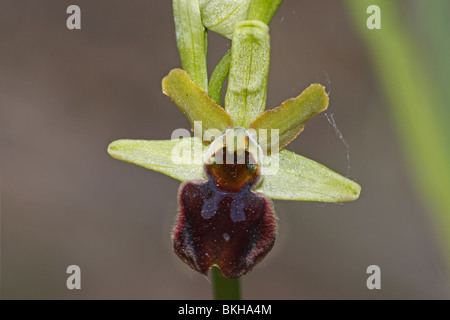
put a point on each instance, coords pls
(236, 162)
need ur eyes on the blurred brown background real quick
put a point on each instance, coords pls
(65, 95)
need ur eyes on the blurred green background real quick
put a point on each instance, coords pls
(64, 95)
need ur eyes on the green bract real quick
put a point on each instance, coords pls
(221, 16)
(298, 178)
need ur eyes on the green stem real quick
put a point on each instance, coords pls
(223, 288)
(218, 78)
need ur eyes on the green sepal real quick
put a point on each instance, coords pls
(159, 155)
(192, 40)
(289, 176)
(286, 175)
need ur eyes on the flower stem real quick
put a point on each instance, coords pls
(223, 288)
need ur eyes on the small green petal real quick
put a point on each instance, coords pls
(247, 81)
(195, 103)
(299, 178)
(221, 16)
(290, 117)
(159, 155)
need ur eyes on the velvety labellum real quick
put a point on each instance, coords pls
(221, 221)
